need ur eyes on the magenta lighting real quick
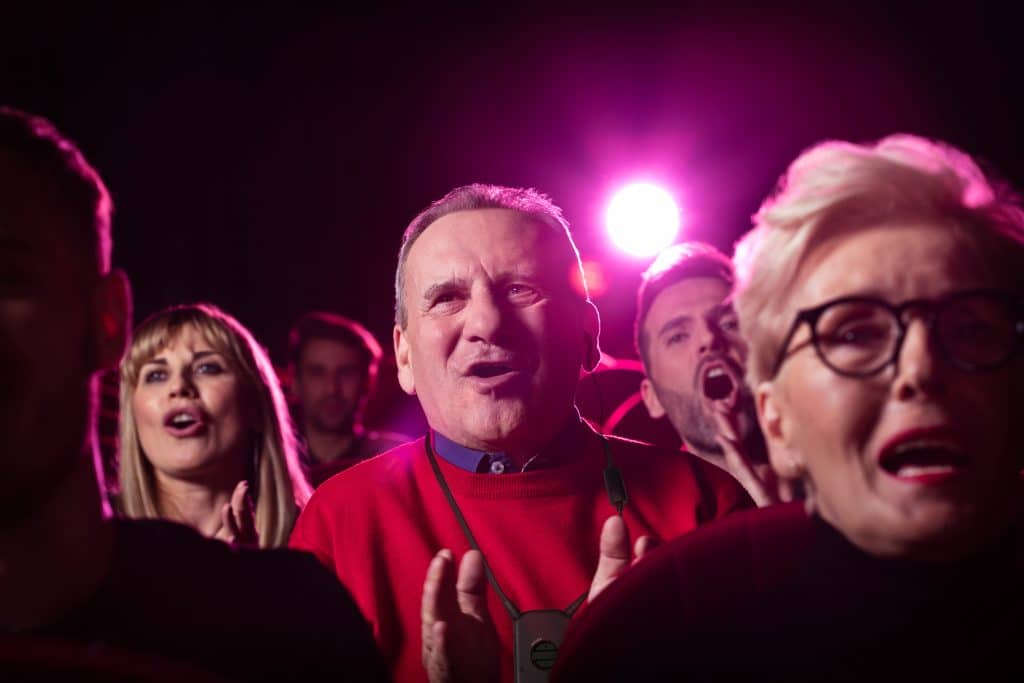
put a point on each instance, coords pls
(642, 219)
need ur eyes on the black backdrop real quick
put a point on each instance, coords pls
(267, 158)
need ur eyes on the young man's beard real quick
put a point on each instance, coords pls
(344, 425)
(697, 427)
(342, 422)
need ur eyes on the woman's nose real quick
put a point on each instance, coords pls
(918, 363)
(182, 387)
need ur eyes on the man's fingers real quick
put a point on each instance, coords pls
(471, 586)
(438, 587)
(460, 643)
(644, 545)
(433, 607)
(787, 490)
(435, 659)
(614, 554)
(725, 423)
(615, 539)
(761, 489)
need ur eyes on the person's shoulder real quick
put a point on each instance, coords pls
(641, 454)
(744, 551)
(382, 441)
(274, 610)
(305, 593)
(669, 467)
(177, 549)
(759, 534)
(677, 607)
(387, 469)
(161, 538)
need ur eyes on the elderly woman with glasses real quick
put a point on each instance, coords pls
(880, 294)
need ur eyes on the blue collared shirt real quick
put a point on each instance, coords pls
(563, 448)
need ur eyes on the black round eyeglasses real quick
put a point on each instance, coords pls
(858, 336)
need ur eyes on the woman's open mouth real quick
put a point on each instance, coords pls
(184, 422)
(923, 458)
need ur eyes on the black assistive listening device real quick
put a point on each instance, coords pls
(536, 634)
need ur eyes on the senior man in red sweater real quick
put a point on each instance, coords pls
(491, 336)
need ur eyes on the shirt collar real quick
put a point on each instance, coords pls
(563, 448)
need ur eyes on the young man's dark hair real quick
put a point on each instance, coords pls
(679, 262)
(337, 328)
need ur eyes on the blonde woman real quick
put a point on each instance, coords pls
(205, 435)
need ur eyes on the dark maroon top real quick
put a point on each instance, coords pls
(773, 591)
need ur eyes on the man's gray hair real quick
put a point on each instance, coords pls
(481, 196)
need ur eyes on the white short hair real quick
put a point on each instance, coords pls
(837, 187)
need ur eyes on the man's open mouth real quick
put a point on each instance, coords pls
(716, 383)
(488, 370)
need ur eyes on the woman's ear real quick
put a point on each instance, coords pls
(786, 460)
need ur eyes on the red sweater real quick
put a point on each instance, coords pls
(378, 524)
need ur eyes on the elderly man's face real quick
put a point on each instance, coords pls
(48, 349)
(693, 348)
(495, 336)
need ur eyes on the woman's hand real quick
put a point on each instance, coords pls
(238, 519)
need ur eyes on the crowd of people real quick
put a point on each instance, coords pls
(845, 387)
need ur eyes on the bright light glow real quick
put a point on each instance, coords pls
(642, 219)
(597, 281)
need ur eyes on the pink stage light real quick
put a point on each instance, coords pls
(642, 219)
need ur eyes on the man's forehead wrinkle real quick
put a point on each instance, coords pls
(442, 272)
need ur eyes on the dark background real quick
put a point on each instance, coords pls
(267, 159)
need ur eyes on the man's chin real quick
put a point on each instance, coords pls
(333, 425)
(701, 443)
(500, 424)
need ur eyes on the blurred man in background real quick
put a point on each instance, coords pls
(333, 362)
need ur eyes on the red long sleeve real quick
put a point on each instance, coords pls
(378, 524)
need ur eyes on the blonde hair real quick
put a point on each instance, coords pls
(282, 488)
(835, 188)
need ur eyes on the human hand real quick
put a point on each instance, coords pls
(238, 519)
(759, 479)
(459, 642)
(615, 557)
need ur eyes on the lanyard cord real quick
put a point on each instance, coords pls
(617, 496)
